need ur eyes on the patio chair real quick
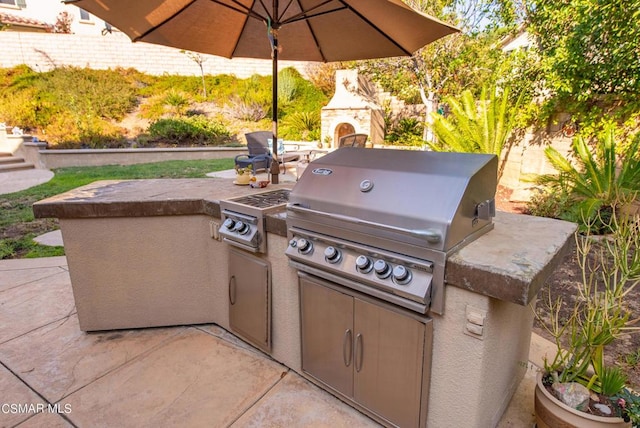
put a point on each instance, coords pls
(259, 146)
(259, 156)
(353, 140)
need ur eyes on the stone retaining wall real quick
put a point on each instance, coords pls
(51, 159)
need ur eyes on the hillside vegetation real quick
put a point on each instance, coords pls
(80, 107)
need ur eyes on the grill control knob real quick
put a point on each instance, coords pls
(241, 227)
(332, 254)
(401, 275)
(293, 243)
(304, 246)
(363, 264)
(382, 269)
(229, 223)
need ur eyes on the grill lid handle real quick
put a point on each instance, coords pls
(486, 210)
(431, 235)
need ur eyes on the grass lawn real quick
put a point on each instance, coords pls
(18, 227)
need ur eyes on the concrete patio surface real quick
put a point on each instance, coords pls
(16, 181)
(185, 376)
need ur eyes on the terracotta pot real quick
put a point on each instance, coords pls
(551, 413)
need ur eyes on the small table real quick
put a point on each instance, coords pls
(307, 154)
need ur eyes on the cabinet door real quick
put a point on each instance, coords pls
(249, 298)
(327, 335)
(388, 363)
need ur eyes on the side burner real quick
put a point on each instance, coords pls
(274, 199)
(244, 218)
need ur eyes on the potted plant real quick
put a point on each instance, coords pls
(243, 174)
(577, 387)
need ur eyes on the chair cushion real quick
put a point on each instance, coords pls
(258, 162)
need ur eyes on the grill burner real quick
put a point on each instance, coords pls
(265, 200)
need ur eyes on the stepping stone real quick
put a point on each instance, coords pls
(51, 239)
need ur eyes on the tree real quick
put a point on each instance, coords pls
(63, 23)
(198, 59)
(458, 62)
(589, 49)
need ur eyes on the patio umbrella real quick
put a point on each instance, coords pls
(303, 30)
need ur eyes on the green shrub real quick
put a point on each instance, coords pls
(36, 100)
(18, 109)
(67, 132)
(287, 85)
(307, 97)
(408, 131)
(256, 90)
(153, 107)
(172, 103)
(301, 126)
(176, 102)
(551, 202)
(221, 87)
(84, 91)
(194, 130)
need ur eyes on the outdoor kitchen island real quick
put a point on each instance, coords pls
(145, 253)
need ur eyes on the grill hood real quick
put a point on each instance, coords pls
(425, 199)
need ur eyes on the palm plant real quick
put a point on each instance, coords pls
(599, 182)
(482, 126)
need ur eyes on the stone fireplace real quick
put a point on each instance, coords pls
(353, 109)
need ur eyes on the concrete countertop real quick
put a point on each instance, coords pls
(144, 198)
(509, 263)
(512, 261)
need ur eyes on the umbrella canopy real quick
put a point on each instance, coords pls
(303, 30)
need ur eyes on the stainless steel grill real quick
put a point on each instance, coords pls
(384, 221)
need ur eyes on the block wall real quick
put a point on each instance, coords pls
(45, 51)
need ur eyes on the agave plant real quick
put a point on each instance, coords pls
(482, 126)
(301, 124)
(599, 180)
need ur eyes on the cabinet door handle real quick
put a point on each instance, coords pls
(359, 352)
(347, 347)
(232, 290)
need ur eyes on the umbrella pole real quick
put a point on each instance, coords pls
(275, 165)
